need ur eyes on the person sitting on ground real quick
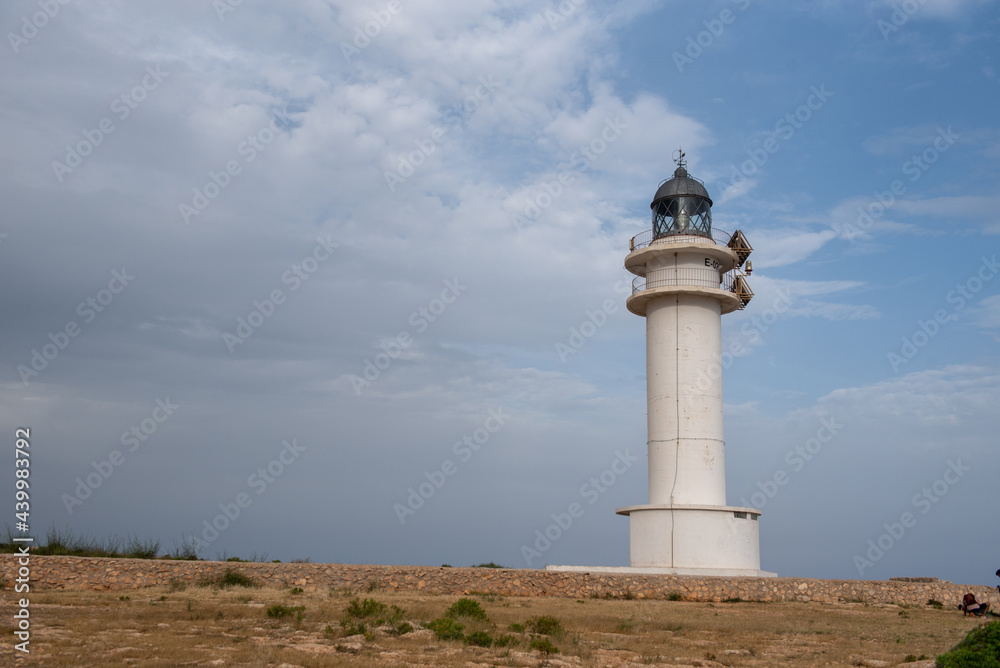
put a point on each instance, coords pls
(970, 606)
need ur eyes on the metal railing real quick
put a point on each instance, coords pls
(688, 277)
(643, 239)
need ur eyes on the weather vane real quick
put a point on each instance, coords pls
(679, 157)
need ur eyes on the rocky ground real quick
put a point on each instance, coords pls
(211, 626)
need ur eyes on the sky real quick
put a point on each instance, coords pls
(344, 280)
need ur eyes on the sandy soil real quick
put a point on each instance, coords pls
(202, 626)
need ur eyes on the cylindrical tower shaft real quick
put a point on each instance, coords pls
(684, 401)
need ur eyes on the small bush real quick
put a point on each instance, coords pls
(360, 613)
(479, 639)
(230, 578)
(544, 645)
(516, 628)
(910, 658)
(296, 590)
(446, 628)
(489, 564)
(675, 596)
(467, 607)
(138, 548)
(505, 640)
(279, 611)
(366, 609)
(355, 628)
(979, 649)
(934, 603)
(545, 625)
(626, 626)
(732, 600)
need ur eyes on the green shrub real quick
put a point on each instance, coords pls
(369, 611)
(489, 564)
(675, 596)
(479, 639)
(355, 628)
(979, 649)
(395, 620)
(279, 611)
(467, 607)
(544, 645)
(935, 603)
(366, 609)
(545, 625)
(296, 590)
(229, 578)
(446, 628)
(516, 628)
(505, 640)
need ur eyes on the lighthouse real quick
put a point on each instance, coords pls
(688, 275)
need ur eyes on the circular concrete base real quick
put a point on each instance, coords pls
(694, 539)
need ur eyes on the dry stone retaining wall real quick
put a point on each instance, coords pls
(79, 573)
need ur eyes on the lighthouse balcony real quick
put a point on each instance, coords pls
(682, 277)
(719, 237)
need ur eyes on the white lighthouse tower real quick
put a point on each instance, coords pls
(688, 278)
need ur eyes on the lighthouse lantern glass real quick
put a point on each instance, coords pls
(682, 215)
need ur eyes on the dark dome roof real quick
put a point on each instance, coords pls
(681, 184)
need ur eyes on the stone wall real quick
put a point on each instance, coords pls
(79, 573)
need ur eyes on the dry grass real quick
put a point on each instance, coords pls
(203, 626)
